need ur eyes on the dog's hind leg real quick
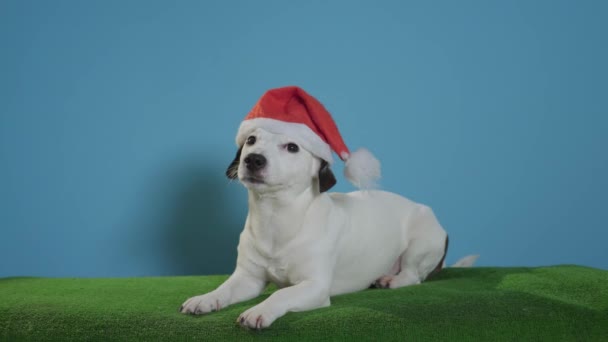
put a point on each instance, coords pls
(408, 270)
(417, 263)
(384, 281)
(423, 256)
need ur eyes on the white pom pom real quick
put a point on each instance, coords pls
(362, 169)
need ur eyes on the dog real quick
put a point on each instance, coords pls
(314, 244)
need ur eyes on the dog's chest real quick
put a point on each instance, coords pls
(277, 272)
(273, 239)
(276, 266)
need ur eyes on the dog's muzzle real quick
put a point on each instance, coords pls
(255, 162)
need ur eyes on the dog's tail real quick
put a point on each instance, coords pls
(467, 261)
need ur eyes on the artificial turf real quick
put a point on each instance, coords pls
(557, 303)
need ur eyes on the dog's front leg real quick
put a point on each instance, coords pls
(306, 295)
(240, 286)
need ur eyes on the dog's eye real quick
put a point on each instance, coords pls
(251, 140)
(293, 148)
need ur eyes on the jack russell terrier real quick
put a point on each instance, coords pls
(312, 244)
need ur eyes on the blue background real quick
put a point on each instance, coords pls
(117, 121)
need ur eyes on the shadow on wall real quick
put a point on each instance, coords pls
(199, 221)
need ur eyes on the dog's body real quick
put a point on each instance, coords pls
(314, 244)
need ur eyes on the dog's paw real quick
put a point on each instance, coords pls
(201, 305)
(258, 317)
(393, 282)
(384, 282)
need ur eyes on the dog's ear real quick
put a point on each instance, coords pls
(233, 169)
(326, 178)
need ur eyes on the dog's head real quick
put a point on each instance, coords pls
(269, 162)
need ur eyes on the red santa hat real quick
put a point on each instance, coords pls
(293, 112)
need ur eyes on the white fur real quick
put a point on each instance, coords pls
(362, 169)
(299, 133)
(316, 245)
(467, 261)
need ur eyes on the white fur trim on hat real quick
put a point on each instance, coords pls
(362, 169)
(300, 133)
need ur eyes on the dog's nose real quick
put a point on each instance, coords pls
(255, 161)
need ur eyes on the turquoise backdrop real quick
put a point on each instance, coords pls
(117, 121)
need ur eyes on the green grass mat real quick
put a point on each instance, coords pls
(478, 304)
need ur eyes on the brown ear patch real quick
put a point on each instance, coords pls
(326, 178)
(233, 169)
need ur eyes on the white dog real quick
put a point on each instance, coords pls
(315, 244)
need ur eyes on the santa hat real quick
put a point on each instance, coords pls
(293, 112)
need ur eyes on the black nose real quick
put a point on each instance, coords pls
(255, 161)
